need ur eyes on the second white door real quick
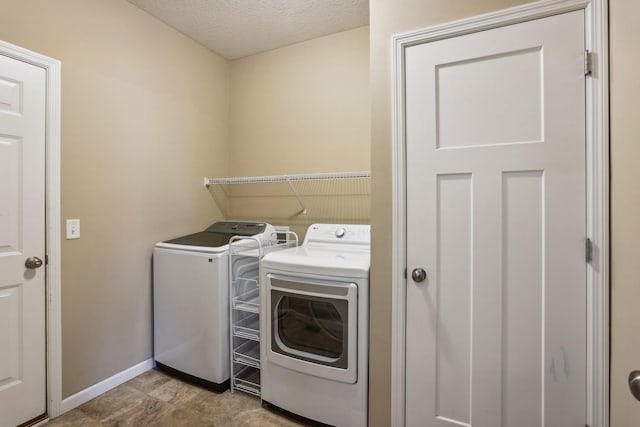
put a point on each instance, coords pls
(495, 136)
(22, 230)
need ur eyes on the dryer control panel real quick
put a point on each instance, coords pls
(350, 234)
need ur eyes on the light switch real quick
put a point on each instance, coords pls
(73, 229)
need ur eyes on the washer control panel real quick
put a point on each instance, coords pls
(354, 234)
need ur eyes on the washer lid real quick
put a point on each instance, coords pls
(219, 233)
(203, 238)
(326, 260)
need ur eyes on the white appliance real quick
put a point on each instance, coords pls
(315, 305)
(191, 302)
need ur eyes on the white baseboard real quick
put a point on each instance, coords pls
(103, 386)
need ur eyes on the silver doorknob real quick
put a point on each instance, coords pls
(33, 262)
(634, 384)
(418, 274)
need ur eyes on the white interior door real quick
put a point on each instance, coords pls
(495, 137)
(22, 231)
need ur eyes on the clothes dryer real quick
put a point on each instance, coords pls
(315, 305)
(191, 302)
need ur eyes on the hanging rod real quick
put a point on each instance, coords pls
(287, 178)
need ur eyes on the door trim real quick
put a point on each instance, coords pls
(52, 219)
(597, 185)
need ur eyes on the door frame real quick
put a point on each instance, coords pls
(597, 189)
(52, 220)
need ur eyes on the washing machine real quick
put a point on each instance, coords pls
(314, 324)
(191, 302)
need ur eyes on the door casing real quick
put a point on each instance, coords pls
(52, 219)
(597, 177)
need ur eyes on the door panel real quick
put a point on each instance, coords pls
(502, 94)
(10, 351)
(453, 320)
(495, 128)
(522, 297)
(22, 210)
(10, 183)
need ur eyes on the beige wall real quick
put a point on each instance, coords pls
(303, 108)
(389, 17)
(625, 207)
(144, 119)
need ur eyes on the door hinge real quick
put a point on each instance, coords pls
(405, 272)
(588, 62)
(46, 259)
(588, 249)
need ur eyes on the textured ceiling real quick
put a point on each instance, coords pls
(237, 28)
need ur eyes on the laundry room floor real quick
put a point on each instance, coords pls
(157, 399)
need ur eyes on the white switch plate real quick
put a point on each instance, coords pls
(73, 229)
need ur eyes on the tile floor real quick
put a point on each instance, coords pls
(157, 399)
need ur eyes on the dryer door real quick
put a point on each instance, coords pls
(312, 326)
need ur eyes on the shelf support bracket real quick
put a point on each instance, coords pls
(297, 196)
(208, 184)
